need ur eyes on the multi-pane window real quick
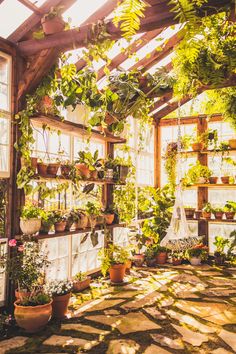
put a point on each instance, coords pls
(5, 113)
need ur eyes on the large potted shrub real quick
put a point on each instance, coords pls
(219, 253)
(52, 22)
(30, 221)
(81, 282)
(114, 260)
(161, 254)
(60, 290)
(197, 253)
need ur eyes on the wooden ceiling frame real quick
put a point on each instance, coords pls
(31, 6)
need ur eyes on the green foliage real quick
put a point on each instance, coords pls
(195, 172)
(93, 209)
(35, 300)
(89, 159)
(207, 208)
(170, 164)
(112, 255)
(128, 16)
(220, 244)
(230, 205)
(31, 211)
(80, 276)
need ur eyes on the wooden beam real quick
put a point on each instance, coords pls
(216, 117)
(31, 23)
(31, 6)
(79, 37)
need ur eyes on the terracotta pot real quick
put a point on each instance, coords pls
(176, 261)
(195, 261)
(60, 226)
(19, 295)
(213, 180)
(42, 169)
(53, 25)
(219, 259)
(32, 318)
(128, 265)
(197, 146)
(189, 212)
(197, 214)
(161, 258)
(46, 105)
(82, 223)
(225, 180)
(151, 262)
(206, 215)
(218, 215)
(53, 168)
(83, 170)
(80, 285)
(60, 305)
(69, 224)
(229, 215)
(117, 273)
(138, 260)
(65, 170)
(30, 226)
(232, 143)
(94, 174)
(92, 221)
(34, 163)
(109, 218)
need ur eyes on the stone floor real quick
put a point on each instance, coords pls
(181, 309)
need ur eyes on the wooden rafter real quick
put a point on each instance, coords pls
(31, 6)
(77, 38)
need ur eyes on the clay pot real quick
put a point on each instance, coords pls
(161, 258)
(197, 214)
(213, 180)
(109, 218)
(52, 25)
(30, 226)
(82, 223)
(151, 262)
(42, 169)
(197, 146)
(32, 318)
(219, 259)
(60, 226)
(80, 285)
(229, 215)
(195, 261)
(20, 295)
(83, 170)
(94, 174)
(65, 170)
(128, 265)
(34, 163)
(225, 180)
(138, 260)
(206, 215)
(189, 212)
(218, 215)
(117, 273)
(53, 168)
(176, 261)
(60, 305)
(232, 143)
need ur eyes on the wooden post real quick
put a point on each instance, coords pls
(157, 155)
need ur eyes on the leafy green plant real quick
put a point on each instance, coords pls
(80, 276)
(35, 300)
(198, 251)
(160, 249)
(92, 209)
(58, 216)
(31, 211)
(207, 208)
(195, 172)
(170, 164)
(88, 159)
(230, 206)
(112, 255)
(220, 243)
(54, 12)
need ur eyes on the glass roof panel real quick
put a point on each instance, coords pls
(38, 3)
(12, 14)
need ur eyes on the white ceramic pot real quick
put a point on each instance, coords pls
(30, 226)
(195, 261)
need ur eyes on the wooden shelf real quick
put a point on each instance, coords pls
(217, 186)
(39, 178)
(222, 221)
(74, 232)
(204, 152)
(76, 129)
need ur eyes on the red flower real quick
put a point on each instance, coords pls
(12, 243)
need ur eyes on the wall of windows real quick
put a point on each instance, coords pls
(5, 114)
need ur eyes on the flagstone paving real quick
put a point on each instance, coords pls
(165, 310)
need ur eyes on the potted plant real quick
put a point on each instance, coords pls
(53, 168)
(34, 312)
(218, 213)
(30, 221)
(66, 167)
(72, 218)
(47, 221)
(197, 174)
(177, 258)
(59, 219)
(42, 168)
(189, 212)
(138, 258)
(114, 259)
(109, 215)
(219, 253)
(81, 282)
(213, 179)
(197, 214)
(197, 143)
(83, 220)
(93, 211)
(52, 22)
(225, 179)
(86, 164)
(25, 265)
(150, 258)
(60, 291)
(230, 209)
(121, 169)
(206, 211)
(232, 143)
(197, 253)
(109, 169)
(161, 254)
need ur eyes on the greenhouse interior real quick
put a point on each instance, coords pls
(118, 176)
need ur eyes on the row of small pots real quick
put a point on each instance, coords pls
(191, 213)
(214, 180)
(200, 146)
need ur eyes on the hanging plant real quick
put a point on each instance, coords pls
(170, 165)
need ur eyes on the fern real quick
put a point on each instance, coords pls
(130, 13)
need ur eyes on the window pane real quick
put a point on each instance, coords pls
(3, 158)
(4, 130)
